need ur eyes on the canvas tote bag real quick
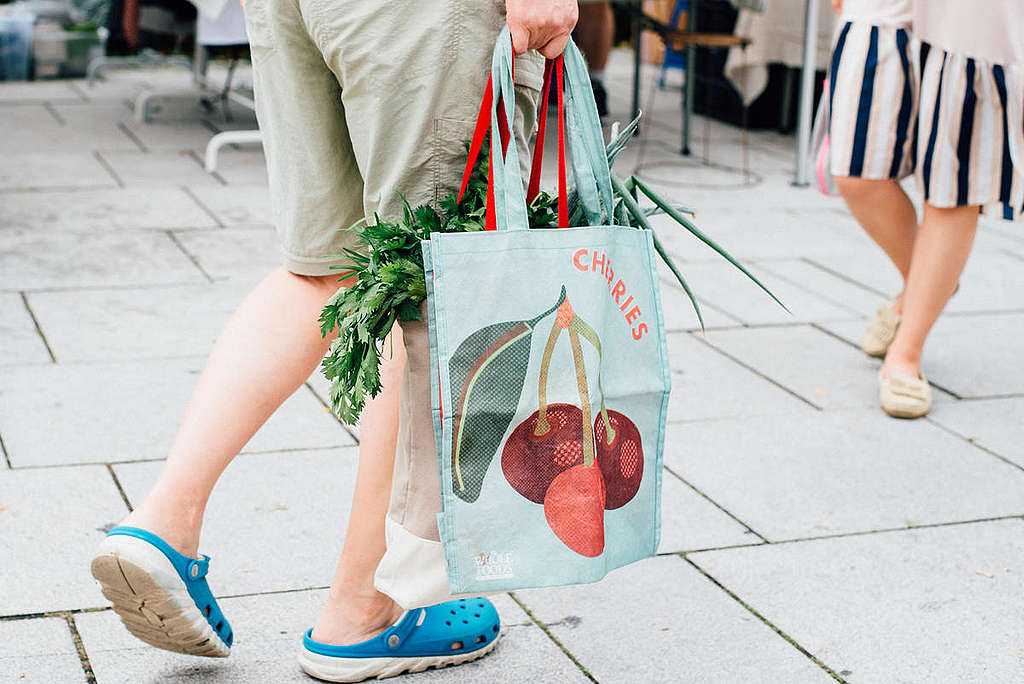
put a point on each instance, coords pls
(549, 370)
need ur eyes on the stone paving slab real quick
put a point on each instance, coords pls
(246, 254)
(831, 287)
(103, 210)
(791, 477)
(689, 521)
(39, 650)
(97, 126)
(21, 342)
(678, 311)
(140, 323)
(660, 620)
(32, 260)
(53, 520)
(731, 291)
(148, 169)
(972, 356)
(996, 424)
(238, 204)
(26, 171)
(824, 371)
(928, 605)
(41, 129)
(270, 629)
(707, 385)
(126, 411)
(275, 521)
(22, 92)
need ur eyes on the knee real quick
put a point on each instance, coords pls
(854, 189)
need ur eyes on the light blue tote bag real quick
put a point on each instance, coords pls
(550, 377)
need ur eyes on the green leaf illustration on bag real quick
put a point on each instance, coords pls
(487, 373)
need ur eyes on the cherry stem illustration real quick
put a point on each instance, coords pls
(589, 451)
(542, 391)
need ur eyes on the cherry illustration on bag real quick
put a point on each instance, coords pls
(487, 373)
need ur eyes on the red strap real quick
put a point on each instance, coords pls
(552, 67)
(563, 197)
(538, 149)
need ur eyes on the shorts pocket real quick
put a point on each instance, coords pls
(450, 146)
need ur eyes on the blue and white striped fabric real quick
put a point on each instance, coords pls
(873, 100)
(971, 149)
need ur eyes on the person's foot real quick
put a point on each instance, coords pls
(903, 391)
(881, 331)
(179, 529)
(347, 620)
(449, 633)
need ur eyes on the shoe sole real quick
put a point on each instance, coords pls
(333, 669)
(152, 600)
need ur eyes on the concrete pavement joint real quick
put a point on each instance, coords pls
(758, 373)
(216, 176)
(131, 134)
(3, 450)
(717, 505)
(191, 257)
(39, 330)
(90, 676)
(78, 91)
(837, 302)
(792, 642)
(110, 169)
(843, 276)
(887, 530)
(48, 106)
(544, 628)
(973, 443)
(120, 489)
(188, 191)
(327, 406)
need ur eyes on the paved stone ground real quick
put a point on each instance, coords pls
(807, 537)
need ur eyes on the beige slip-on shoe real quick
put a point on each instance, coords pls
(902, 396)
(881, 332)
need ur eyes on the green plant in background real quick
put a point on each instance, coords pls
(385, 281)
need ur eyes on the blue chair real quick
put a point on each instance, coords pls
(674, 59)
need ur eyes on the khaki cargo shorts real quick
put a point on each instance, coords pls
(359, 100)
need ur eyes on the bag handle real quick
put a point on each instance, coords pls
(579, 123)
(551, 66)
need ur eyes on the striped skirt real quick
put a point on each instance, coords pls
(873, 96)
(971, 128)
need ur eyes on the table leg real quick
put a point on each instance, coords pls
(635, 23)
(691, 77)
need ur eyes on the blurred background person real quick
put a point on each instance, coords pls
(595, 32)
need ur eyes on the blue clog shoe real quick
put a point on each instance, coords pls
(449, 633)
(161, 595)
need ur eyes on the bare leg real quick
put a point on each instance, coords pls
(355, 611)
(595, 31)
(940, 253)
(887, 215)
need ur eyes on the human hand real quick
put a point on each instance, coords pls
(837, 5)
(542, 25)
